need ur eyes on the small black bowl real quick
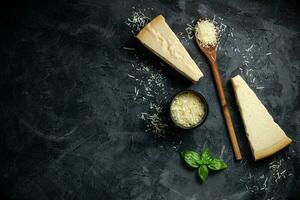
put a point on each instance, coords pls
(203, 101)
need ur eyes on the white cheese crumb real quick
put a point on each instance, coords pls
(129, 75)
(129, 48)
(222, 27)
(249, 49)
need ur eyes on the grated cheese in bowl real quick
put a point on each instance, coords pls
(206, 32)
(188, 109)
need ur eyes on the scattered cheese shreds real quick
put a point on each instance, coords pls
(206, 33)
(137, 21)
(148, 85)
(257, 182)
(190, 31)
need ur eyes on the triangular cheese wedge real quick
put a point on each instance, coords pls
(264, 135)
(161, 40)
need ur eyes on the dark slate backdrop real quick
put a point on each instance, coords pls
(71, 124)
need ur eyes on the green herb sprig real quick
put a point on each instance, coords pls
(203, 162)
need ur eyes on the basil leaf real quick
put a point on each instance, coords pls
(217, 164)
(203, 172)
(201, 162)
(191, 158)
(206, 157)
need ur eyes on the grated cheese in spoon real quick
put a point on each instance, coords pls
(206, 32)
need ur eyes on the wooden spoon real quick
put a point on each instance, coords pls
(211, 54)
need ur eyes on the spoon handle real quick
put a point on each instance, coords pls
(226, 113)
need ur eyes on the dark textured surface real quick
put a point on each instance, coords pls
(69, 118)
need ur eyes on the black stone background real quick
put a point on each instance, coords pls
(69, 125)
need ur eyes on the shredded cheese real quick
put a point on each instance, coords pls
(206, 32)
(187, 109)
(137, 20)
(149, 85)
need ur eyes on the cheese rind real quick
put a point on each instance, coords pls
(264, 135)
(158, 37)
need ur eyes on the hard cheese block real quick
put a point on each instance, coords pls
(264, 135)
(161, 40)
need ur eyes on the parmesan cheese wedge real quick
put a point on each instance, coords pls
(264, 135)
(158, 37)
